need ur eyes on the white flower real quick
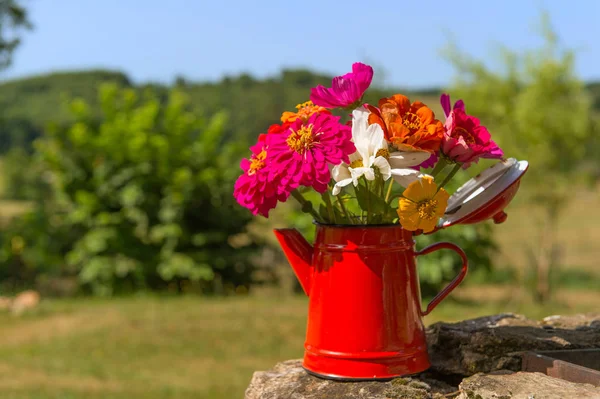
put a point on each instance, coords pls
(372, 151)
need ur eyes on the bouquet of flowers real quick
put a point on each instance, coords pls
(370, 169)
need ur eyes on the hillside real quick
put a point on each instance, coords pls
(27, 105)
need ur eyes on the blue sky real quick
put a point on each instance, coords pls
(153, 40)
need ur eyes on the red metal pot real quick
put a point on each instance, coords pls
(365, 316)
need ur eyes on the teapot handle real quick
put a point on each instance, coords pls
(454, 283)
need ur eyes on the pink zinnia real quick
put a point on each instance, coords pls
(302, 154)
(255, 189)
(346, 90)
(465, 139)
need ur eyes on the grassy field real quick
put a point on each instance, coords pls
(187, 347)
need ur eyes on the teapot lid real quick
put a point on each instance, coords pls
(486, 195)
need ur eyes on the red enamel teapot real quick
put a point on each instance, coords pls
(365, 314)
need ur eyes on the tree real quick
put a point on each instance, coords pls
(13, 17)
(148, 191)
(537, 110)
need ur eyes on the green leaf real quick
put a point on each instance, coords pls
(370, 202)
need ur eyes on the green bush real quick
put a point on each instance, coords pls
(148, 192)
(33, 247)
(439, 267)
(23, 177)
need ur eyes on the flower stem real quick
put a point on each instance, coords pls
(368, 200)
(330, 212)
(442, 163)
(344, 211)
(450, 176)
(307, 206)
(389, 191)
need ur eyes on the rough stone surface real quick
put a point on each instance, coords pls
(494, 343)
(289, 380)
(575, 321)
(466, 349)
(509, 385)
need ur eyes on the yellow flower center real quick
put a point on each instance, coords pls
(383, 153)
(411, 121)
(257, 162)
(460, 132)
(357, 164)
(301, 140)
(427, 209)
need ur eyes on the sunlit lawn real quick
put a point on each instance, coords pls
(151, 347)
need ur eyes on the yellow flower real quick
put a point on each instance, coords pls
(305, 110)
(422, 205)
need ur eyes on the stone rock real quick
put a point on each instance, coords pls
(574, 321)
(508, 385)
(493, 343)
(288, 380)
(469, 348)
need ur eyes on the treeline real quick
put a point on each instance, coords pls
(28, 105)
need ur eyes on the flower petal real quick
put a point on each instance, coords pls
(340, 172)
(405, 159)
(428, 225)
(384, 167)
(405, 177)
(339, 185)
(420, 189)
(429, 186)
(445, 101)
(441, 197)
(375, 138)
(369, 174)
(408, 215)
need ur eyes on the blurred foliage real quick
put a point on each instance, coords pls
(23, 176)
(13, 18)
(252, 105)
(80, 150)
(29, 105)
(537, 109)
(147, 194)
(34, 247)
(439, 267)
(477, 240)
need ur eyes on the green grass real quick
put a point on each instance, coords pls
(188, 347)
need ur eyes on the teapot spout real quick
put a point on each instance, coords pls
(299, 253)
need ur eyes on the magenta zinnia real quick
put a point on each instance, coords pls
(346, 90)
(302, 154)
(255, 189)
(465, 139)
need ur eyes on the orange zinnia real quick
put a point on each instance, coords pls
(409, 127)
(305, 111)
